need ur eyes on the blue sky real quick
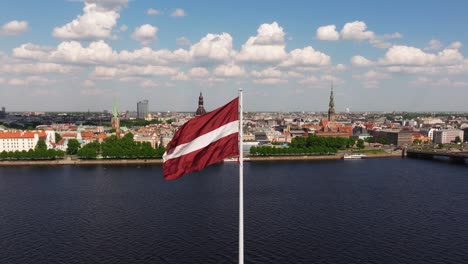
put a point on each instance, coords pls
(60, 55)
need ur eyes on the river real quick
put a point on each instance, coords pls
(357, 211)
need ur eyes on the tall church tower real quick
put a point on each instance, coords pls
(115, 119)
(200, 109)
(331, 107)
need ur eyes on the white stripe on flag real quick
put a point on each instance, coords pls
(203, 140)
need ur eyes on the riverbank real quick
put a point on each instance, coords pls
(159, 161)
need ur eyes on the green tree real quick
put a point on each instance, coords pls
(360, 144)
(458, 140)
(57, 137)
(41, 145)
(73, 146)
(417, 141)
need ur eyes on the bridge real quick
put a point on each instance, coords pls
(456, 157)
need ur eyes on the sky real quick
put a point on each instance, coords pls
(78, 55)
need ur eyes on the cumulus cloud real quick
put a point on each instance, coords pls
(270, 72)
(30, 81)
(356, 30)
(455, 45)
(327, 33)
(152, 12)
(183, 41)
(94, 23)
(123, 28)
(267, 46)
(35, 68)
(270, 81)
(199, 72)
(229, 70)
(406, 55)
(148, 84)
(145, 34)
(178, 12)
(14, 28)
(120, 71)
(213, 48)
(433, 44)
(307, 56)
(361, 61)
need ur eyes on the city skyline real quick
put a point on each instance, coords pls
(77, 55)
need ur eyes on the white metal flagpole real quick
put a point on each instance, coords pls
(241, 182)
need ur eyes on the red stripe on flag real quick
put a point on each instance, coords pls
(203, 124)
(197, 160)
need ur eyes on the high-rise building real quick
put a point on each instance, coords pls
(331, 107)
(3, 112)
(200, 109)
(142, 109)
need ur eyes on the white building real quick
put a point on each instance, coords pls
(21, 140)
(445, 136)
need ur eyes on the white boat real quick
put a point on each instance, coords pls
(235, 159)
(354, 156)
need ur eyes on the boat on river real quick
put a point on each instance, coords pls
(354, 156)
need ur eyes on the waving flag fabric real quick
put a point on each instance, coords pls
(202, 141)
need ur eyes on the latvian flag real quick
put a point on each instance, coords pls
(202, 141)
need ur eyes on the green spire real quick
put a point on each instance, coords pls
(115, 112)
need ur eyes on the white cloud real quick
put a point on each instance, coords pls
(405, 55)
(35, 68)
(438, 83)
(94, 23)
(123, 28)
(356, 30)
(183, 41)
(270, 81)
(266, 46)
(30, 80)
(152, 12)
(309, 80)
(199, 72)
(433, 44)
(340, 67)
(213, 48)
(31, 51)
(149, 84)
(73, 52)
(181, 76)
(145, 34)
(267, 73)
(229, 70)
(455, 45)
(307, 56)
(14, 28)
(327, 33)
(361, 61)
(178, 12)
(120, 71)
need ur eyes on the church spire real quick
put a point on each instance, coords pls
(331, 106)
(115, 112)
(200, 109)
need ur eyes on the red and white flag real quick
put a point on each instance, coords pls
(202, 141)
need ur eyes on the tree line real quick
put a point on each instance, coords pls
(124, 148)
(311, 145)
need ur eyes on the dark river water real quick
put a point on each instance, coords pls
(365, 211)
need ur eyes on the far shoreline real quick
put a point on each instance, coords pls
(160, 161)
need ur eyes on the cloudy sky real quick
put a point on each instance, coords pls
(75, 55)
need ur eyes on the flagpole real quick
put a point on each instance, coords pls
(241, 181)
